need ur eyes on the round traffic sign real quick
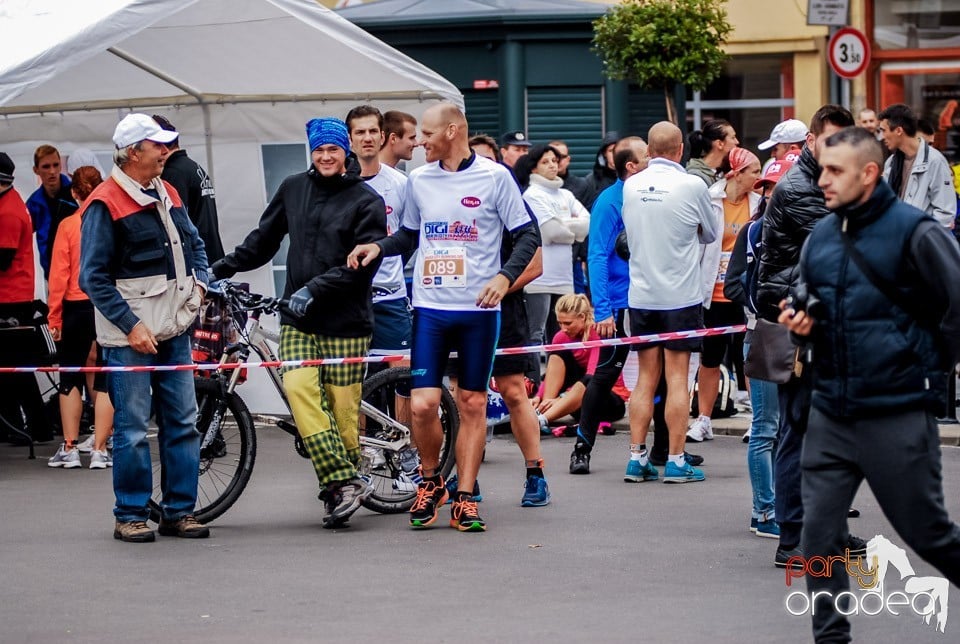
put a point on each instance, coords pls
(849, 52)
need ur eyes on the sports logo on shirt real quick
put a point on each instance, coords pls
(447, 231)
(471, 202)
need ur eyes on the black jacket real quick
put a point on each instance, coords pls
(796, 205)
(325, 219)
(196, 190)
(873, 356)
(601, 177)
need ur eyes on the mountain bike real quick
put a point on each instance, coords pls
(228, 447)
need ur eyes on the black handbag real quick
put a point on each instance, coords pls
(772, 355)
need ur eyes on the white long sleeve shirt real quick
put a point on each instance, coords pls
(667, 216)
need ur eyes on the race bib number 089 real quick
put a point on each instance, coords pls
(445, 268)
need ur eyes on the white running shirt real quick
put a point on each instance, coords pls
(461, 217)
(391, 185)
(667, 215)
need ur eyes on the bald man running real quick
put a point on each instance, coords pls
(455, 210)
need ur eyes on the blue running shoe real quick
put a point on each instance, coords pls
(636, 472)
(686, 474)
(754, 521)
(536, 492)
(452, 484)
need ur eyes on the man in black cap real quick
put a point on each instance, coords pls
(513, 145)
(196, 189)
(17, 284)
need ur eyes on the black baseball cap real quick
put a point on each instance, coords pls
(517, 137)
(6, 168)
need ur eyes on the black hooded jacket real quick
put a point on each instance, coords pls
(795, 207)
(601, 177)
(325, 219)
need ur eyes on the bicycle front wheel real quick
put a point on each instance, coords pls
(227, 455)
(393, 490)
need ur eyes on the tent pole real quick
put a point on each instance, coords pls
(195, 93)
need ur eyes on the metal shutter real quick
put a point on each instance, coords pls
(646, 108)
(571, 114)
(483, 111)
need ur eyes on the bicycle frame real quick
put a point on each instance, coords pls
(259, 339)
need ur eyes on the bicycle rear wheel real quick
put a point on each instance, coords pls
(393, 489)
(226, 460)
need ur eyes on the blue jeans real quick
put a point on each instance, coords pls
(763, 439)
(175, 400)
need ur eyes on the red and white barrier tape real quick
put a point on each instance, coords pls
(213, 366)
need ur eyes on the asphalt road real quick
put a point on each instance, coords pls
(607, 561)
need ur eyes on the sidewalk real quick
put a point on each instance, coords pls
(738, 425)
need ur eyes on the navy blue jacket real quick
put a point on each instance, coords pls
(872, 357)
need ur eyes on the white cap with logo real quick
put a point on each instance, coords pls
(789, 131)
(140, 127)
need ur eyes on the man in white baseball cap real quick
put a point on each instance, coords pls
(787, 135)
(135, 128)
(144, 267)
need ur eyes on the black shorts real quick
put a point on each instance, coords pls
(715, 346)
(513, 333)
(647, 321)
(77, 337)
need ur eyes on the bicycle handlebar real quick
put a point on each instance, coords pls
(251, 301)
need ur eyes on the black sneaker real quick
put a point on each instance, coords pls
(856, 545)
(331, 498)
(426, 507)
(579, 462)
(661, 459)
(347, 500)
(783, 556)
(853, 513)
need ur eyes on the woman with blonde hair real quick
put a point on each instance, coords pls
(569, 371)
(71, 325)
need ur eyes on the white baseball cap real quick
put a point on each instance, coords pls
(789, 131)
(140, 127)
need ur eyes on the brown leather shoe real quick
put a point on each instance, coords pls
(133, 532)
(186, 527)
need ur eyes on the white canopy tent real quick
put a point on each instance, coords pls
(232, 75)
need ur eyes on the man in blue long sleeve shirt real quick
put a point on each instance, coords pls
(609, 283)
(144, 267)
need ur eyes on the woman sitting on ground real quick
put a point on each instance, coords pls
(569, 371)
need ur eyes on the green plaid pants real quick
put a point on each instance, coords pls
(325, 400)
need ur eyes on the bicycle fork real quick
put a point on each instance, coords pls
(236, 353)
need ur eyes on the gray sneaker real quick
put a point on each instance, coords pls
(86, 446)
(349, 496)
(65, 458)
(100, 460)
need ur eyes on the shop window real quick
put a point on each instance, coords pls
(753, 93)
(916, 24)
(933, 92)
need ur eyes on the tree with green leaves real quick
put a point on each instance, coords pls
(660, 44)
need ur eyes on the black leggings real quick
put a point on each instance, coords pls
(610, 408)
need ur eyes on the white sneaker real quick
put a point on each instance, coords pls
(701, 430)
(86, 446)
(100, 460)
(65, 458)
